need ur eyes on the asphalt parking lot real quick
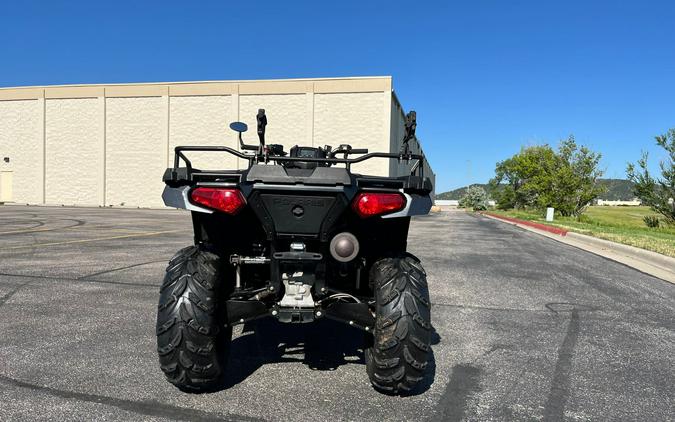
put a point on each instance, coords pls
(526, 329)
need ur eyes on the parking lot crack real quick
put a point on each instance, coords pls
(78, 280)
(147, 408)
(486, 308)
(12, 292)
(119, 269)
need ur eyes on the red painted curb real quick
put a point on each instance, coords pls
(544, 227)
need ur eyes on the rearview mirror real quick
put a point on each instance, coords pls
(238, 127)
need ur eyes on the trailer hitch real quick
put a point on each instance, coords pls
(238, 261)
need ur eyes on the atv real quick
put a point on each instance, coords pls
(297, 237)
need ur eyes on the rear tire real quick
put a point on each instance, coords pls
(192, 342)
(398, 357)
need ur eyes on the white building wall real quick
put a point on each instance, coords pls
(355, 119)
(203, 120)
(74, 160)
(110, 144)
(634, 203)
(136, 150)
(286, 117)
(21, 141)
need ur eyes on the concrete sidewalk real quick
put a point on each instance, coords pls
(648, 262)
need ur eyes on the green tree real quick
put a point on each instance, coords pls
(658, 193)
(540, 177)
(519, 180)
(475, 198)
(576, 180)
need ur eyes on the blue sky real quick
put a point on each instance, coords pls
(485, 77)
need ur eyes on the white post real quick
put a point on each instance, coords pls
(549, 214)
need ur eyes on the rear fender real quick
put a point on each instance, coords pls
(415, 205)
(178, 198)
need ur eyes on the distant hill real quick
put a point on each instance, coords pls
(617, 190)
(458, 193)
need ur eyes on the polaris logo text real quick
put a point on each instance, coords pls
(306, 202)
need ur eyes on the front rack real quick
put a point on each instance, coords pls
(416, 170)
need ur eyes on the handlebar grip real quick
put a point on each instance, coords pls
(358, 151)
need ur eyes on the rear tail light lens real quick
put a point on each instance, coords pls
(369, 204)
(229, 201)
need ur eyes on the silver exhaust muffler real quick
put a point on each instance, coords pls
(344, 247)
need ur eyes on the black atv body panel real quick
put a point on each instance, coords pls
(283, 237)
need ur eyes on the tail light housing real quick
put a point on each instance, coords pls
(370, 204)
(227, 200)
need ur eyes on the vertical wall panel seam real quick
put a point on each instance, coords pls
(44, 147)
(168, 130)
(235, 107)
(387, 124)
(310, 115)
(105, 146)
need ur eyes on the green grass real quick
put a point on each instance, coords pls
(619, 224)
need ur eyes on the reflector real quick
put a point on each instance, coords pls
(229, 201)
(369, 204)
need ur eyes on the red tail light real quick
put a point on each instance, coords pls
(369, 204)
(229, 201)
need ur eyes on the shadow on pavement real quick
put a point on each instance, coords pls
(323, 345)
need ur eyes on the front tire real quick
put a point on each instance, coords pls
(400, 352)
(192, 342)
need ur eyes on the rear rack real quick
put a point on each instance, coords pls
(416, 170)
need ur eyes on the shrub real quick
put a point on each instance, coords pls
(657, 192)
(651, 221)
(474, 198)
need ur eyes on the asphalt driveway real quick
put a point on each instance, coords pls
(526, 329)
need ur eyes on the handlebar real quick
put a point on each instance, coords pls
(359, 151)
(333, 153)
